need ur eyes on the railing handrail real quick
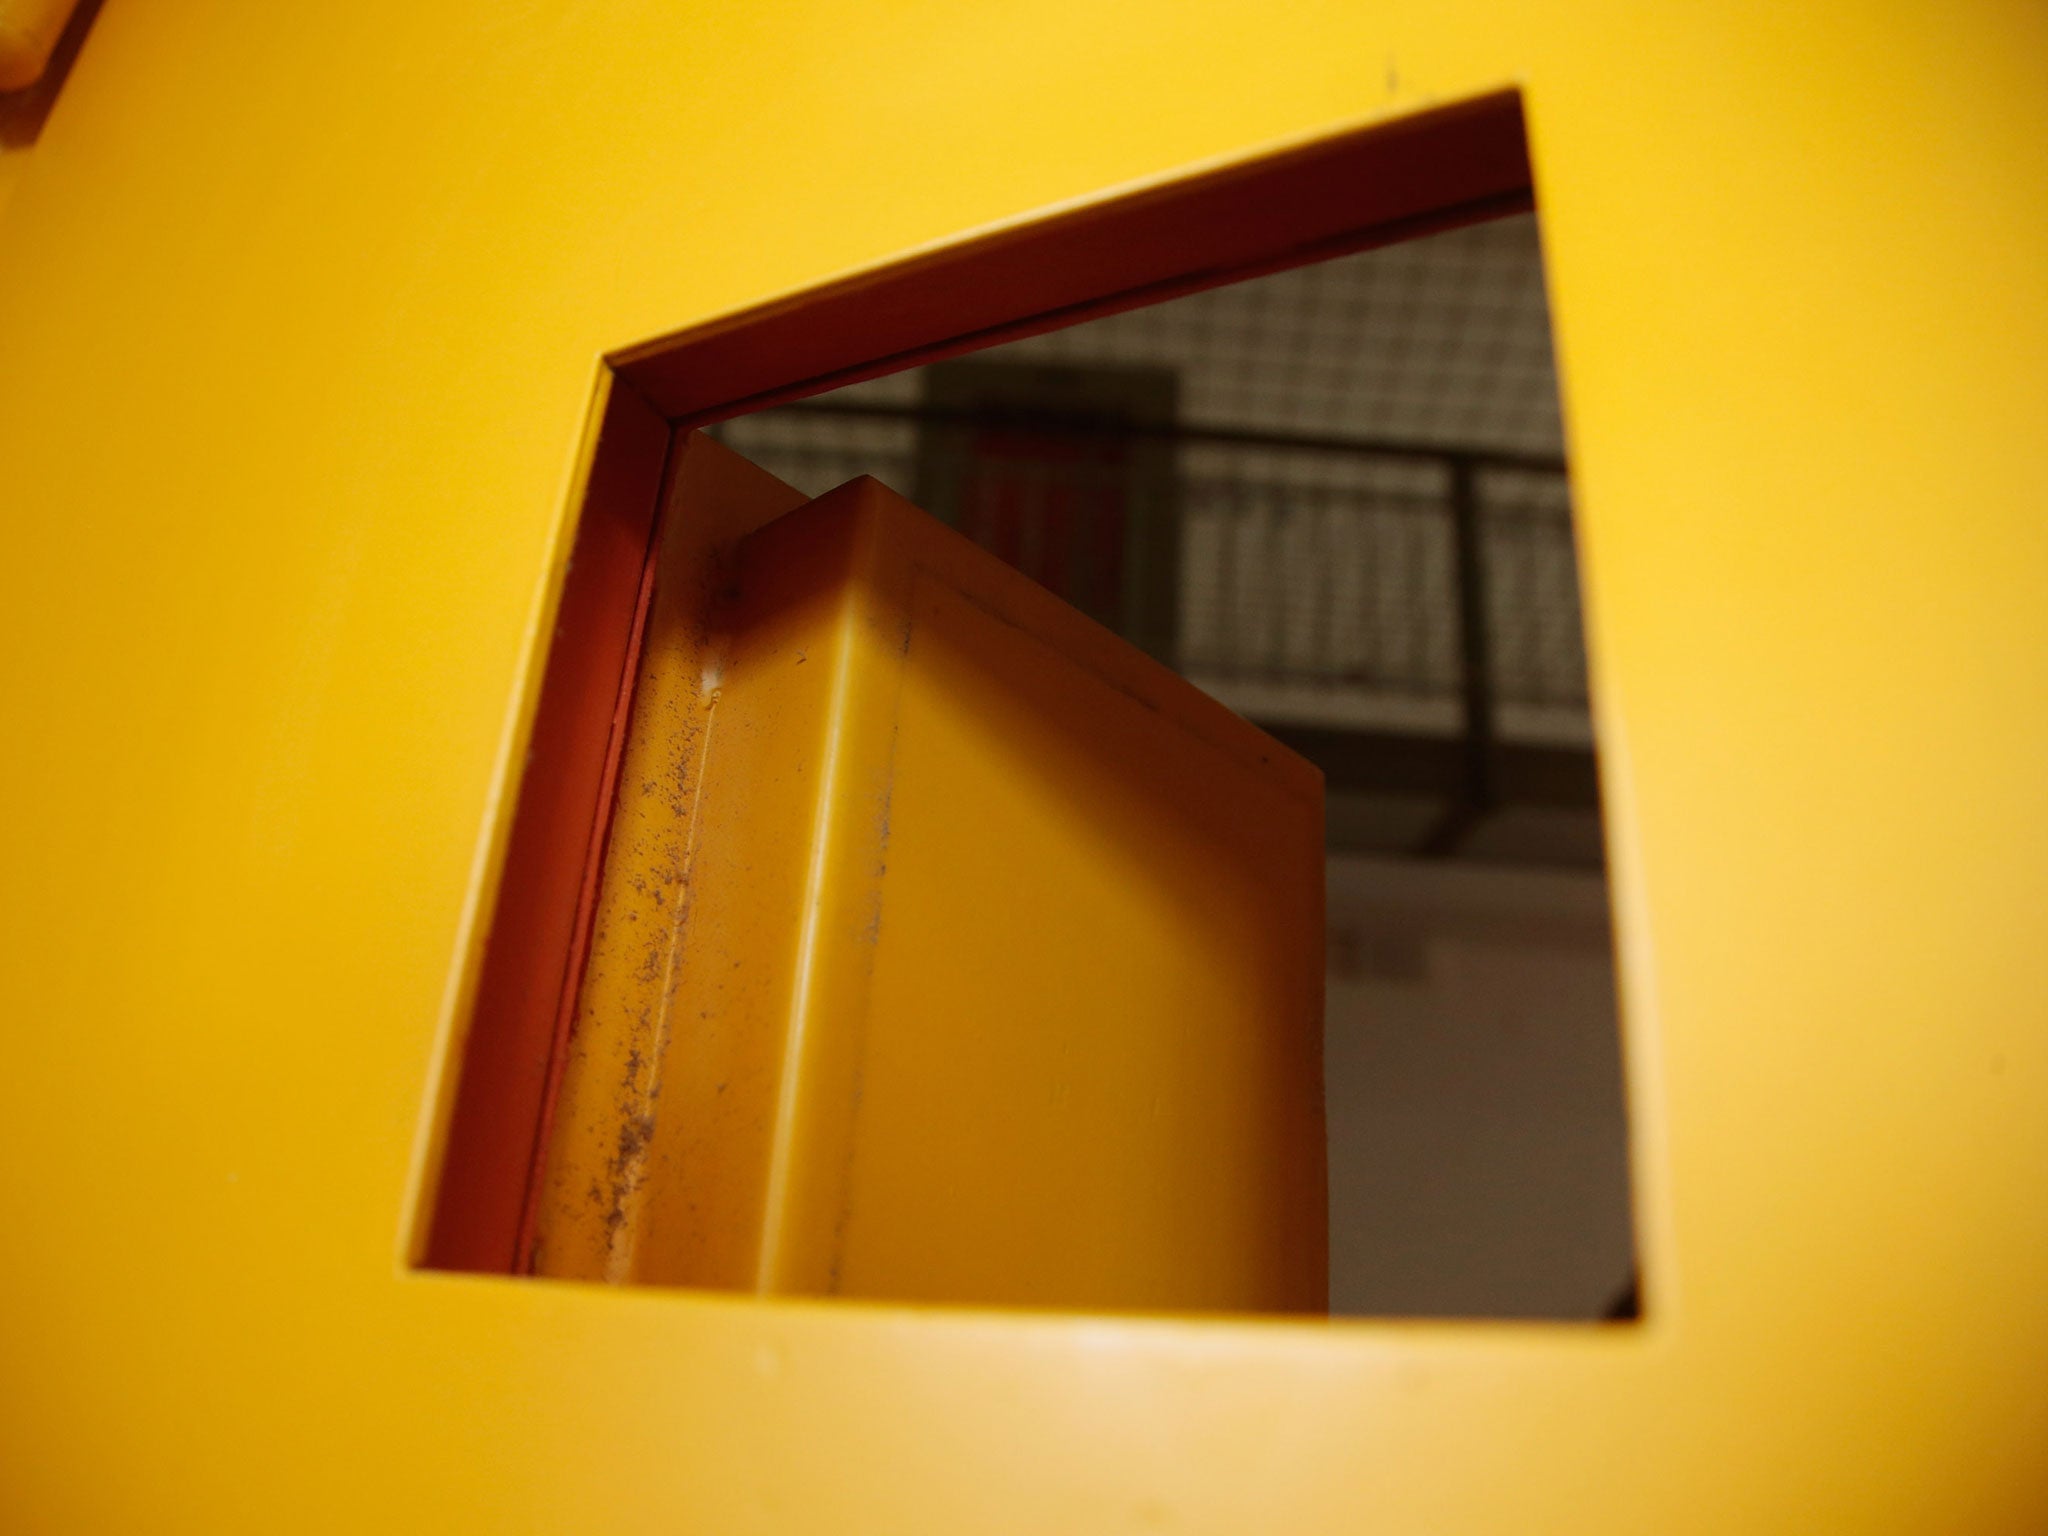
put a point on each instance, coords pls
(1451, 458)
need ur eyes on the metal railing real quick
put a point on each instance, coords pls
(1322, 580)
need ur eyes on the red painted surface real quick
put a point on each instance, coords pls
(1370, 188)
(526, 992)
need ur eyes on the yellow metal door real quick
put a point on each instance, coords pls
(300, 309)
(949, 948)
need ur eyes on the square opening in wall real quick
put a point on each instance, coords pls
(1086, 801)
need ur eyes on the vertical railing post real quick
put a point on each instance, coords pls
(1476, 791)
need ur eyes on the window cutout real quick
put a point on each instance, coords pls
(1334, 498)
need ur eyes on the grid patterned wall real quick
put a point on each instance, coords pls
(1319, 585)
(1311, 566)
(1442, 341)
(815, 453)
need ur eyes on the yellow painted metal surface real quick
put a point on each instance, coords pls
(950, 949)
(299, 318)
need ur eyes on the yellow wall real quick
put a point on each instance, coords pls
(300, 313)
